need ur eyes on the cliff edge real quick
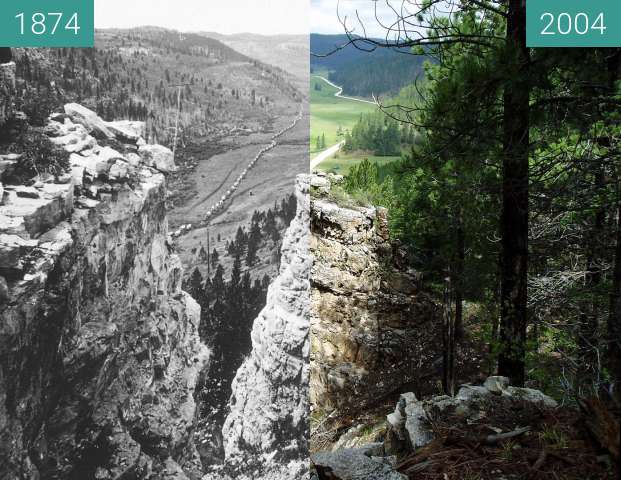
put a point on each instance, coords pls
(99, 346)
(371, 324)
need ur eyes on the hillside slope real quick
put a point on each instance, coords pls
(134, 74)
(361, 73)
(289, 52)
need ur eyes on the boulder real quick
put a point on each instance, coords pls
(28, 217)
(89, 119)
(408, 426)
(353, 464)
(74, 139)
(127, 130)
(12, 249)
(119, 170)
(159, 157)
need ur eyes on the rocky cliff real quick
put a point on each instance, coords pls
(7, 91)
(99, 346)
(371, 327)
(266, 433)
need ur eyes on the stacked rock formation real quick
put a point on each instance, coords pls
(99, 346)
(371, 327)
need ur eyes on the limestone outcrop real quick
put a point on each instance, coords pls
(371, 325)
(99, 346)
(266, 433)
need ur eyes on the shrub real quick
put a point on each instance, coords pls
(39, 156)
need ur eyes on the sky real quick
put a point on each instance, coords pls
(324, 18)
(266, 17)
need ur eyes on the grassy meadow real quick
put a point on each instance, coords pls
(328, 112)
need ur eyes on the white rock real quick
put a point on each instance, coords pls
(496, 384)
(159, 157)
(119, 170)
(127, 130)
(133, 159)
(76, 141)
(89, 119)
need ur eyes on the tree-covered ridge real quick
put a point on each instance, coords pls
(510, 201)
(362, 74)
(138, 74)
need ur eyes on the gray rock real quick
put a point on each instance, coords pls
(416, 422)
(353, 464)
(27, 216)
(89, 120)
(127, 130)
(4, 290)
(496, 384)
(75, 141)
(158, 157)
(530, 395)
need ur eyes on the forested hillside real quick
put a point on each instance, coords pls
(362, 73)
(139, 74)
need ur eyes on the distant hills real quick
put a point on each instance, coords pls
(384, 71)
(289, 52)
(134, 73)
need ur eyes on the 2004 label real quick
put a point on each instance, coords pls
(566, 24)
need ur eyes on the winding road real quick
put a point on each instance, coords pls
(339, 94)
(334, 149)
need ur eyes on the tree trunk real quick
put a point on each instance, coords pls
(613, 327)
(614, 316)
(448, 335)
(458, 281)
(514, 222)
(589, 315)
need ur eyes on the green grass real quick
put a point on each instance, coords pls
(342, 163)
(328, 112)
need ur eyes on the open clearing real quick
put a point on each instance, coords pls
(328, 112)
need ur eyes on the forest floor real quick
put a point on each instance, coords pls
(559, 444)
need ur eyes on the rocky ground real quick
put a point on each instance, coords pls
(492, 431)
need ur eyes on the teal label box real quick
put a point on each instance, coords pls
(573, 23)
(47, 23)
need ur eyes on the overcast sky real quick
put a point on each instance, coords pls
(267, 17)
(324, 18)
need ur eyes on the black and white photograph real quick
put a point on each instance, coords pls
(154, 264)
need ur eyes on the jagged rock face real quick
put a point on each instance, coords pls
(99, 346)
(7, 91)
(266, 433)
(370, 326)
